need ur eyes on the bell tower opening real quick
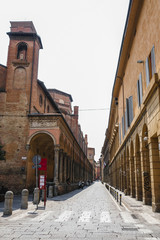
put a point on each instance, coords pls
(22, 51)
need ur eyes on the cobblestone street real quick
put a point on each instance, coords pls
(91, 213)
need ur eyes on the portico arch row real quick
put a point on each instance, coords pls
(40, 143)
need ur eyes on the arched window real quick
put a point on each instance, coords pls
(22, 51)
(48, 109)
(40, 100)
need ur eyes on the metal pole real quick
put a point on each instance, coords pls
(37, 176)
(36, 172)
(120, 199)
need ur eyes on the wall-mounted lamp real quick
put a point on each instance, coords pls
(140, 61)
(145, 139)
(27, 147)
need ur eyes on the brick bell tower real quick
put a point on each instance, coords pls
(22, 66)
(21, 79)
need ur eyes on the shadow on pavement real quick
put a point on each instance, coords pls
(66, 196)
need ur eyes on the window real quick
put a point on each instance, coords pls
(40, 100)
(150, 66)
(123, 132)
(22, 51)
(139, 90)
(61, 101)
(129, 111)
(119, 133)
(48, 109)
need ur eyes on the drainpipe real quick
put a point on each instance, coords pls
(123, 101)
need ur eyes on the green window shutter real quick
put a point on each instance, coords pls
(138, 94)
(140, 88)
(123, 127)
(153, 61)
(119, 133)
(126, 120)
(147, 72)
(130, 100)
(127, 114)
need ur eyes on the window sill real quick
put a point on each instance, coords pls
(19, 62)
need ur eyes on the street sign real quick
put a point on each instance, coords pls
(42, 181)
(43, 164)
(38, 166)
(36, 159)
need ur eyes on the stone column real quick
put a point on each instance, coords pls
(61, 166)
(138, 178)
(64, 168)
(56, 159)
(155, 173)
(73, 171)
(127, 174)
(132, 176)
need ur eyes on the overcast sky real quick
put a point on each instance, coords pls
(81, 44)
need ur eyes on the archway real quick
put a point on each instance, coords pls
(40, 144)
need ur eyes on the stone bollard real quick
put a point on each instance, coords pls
(43, 194)
(120, 199)
(50, 194)
(24, 200)
(36, 196)
(8, 203)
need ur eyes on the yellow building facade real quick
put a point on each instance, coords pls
(131, 150)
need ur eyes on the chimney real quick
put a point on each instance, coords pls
(76, 110)
(86, 139)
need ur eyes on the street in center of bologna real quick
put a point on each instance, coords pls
(91, 213)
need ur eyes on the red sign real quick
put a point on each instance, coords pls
(43, 164)
(42, 181)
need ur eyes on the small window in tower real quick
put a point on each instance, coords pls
(22, 51)
(61, 101)
(40, 100)
(48, 109)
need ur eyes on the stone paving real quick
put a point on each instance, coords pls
(91, 214)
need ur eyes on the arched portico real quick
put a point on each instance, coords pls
(41, 143)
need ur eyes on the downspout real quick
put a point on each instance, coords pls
(123, 101)
(32, 77)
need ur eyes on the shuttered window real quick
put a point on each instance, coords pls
(127, 114)
(147, 72)
(119, 133)
(123, 127)
(129, 111)
(139, 90)
(153, 61)
(150, 66)
(130, 100)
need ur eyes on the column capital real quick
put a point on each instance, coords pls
(56, 147)
(61, 150)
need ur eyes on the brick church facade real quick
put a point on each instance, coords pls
(35, 120)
